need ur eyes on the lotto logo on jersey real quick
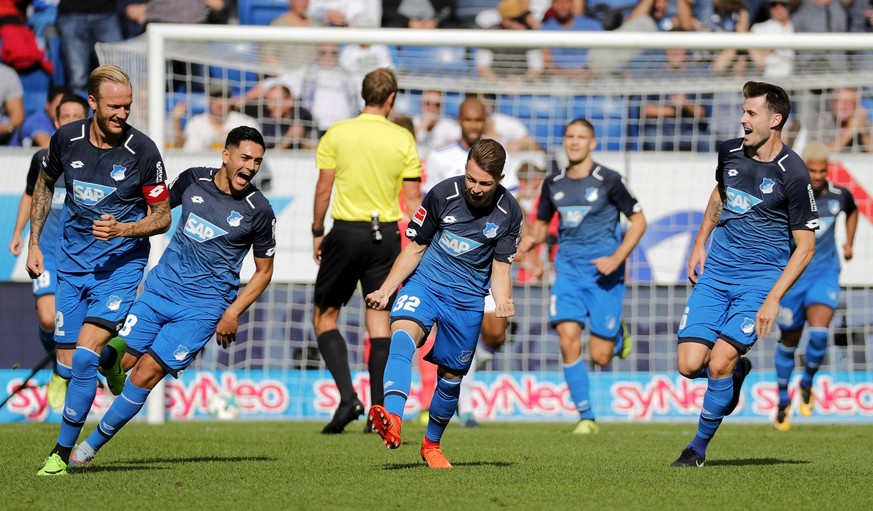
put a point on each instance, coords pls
(200, 230)
(572, 216)
(457, 245)
(739, 201)
(90, 194)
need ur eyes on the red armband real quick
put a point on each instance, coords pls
(155, 193)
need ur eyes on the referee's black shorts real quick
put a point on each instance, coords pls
(348, 256)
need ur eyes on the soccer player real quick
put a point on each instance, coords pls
(815, 294)
(464, 234)
(223, 216)
(450, 161)
(590, 264)
(368, 160)
(762, 199)
(116, 198)
(70, 108)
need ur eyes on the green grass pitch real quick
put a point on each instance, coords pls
(290, 465)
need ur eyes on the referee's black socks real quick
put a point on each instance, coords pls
(336, 357)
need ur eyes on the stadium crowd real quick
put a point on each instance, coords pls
(54, 39)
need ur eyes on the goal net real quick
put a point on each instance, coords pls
(660, 104)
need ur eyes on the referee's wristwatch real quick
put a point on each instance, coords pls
(317, 232)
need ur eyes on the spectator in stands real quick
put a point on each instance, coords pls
(567, 62)
(432, 128)
(675, 121)
(286, 124)
(775, 63)
(663, 15)
(188, 75)
(729, 16)
(821, 16)
(846, 127)
(297, 55)
(861, 21)
(81, 24)
(420, 14)
(360, 59)
(337, 13)
(11, 104)
(208, 131)
(513, 64)
(39, 127)
(326, 90)
(506, 129)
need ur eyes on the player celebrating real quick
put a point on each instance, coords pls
(116, 199)
(814, 296)
(590, 261)
(223, 215)
(465, 233)
(762, 194)
(70, 108)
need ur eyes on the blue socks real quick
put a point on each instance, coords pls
(718, 395)
(784, 367)
(815, 352)
(80, 395)
(576, 376)
(124, 408)
(107, 357)
(65, 372)
(442, 407)
(398, 372)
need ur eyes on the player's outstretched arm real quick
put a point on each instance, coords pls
(501, 290)
(697, 257)
(608, 265)
(851, 228)
(39, 211)
(402, 268)
(802, 255)
(412, 195)
(225, 332)
(21, 219)
(157, 221)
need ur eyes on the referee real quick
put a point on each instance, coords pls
(368, 160)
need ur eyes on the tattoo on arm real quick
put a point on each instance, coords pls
(40, 207)
(715, 210)
(156, 222)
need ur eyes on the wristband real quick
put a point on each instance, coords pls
(317, 232)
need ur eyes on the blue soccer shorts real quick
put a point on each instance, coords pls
(716, 310)
(816, 288)
(598, 300)
(457, 329)
(101, 298)
(171, 333)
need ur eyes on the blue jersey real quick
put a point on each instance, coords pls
(764, 202)
(115, 181)
(830, 203)
(589, 216)
(50, 237)
(216, 231)
(462, 242)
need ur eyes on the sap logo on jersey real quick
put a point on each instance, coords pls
(200, 230)
(572, 216)
(739, 201)
(90, 194)
(457, 245)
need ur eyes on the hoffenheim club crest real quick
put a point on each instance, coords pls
(234, 219)
(591, 194)
(490, 230)
(117, 172)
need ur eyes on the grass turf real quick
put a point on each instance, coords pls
(290, 465)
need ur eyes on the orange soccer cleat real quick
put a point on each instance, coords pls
(433, 455)
(387, 425)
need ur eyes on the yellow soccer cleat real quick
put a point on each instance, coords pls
(586, 427)
(807, 403)
(782, 421)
